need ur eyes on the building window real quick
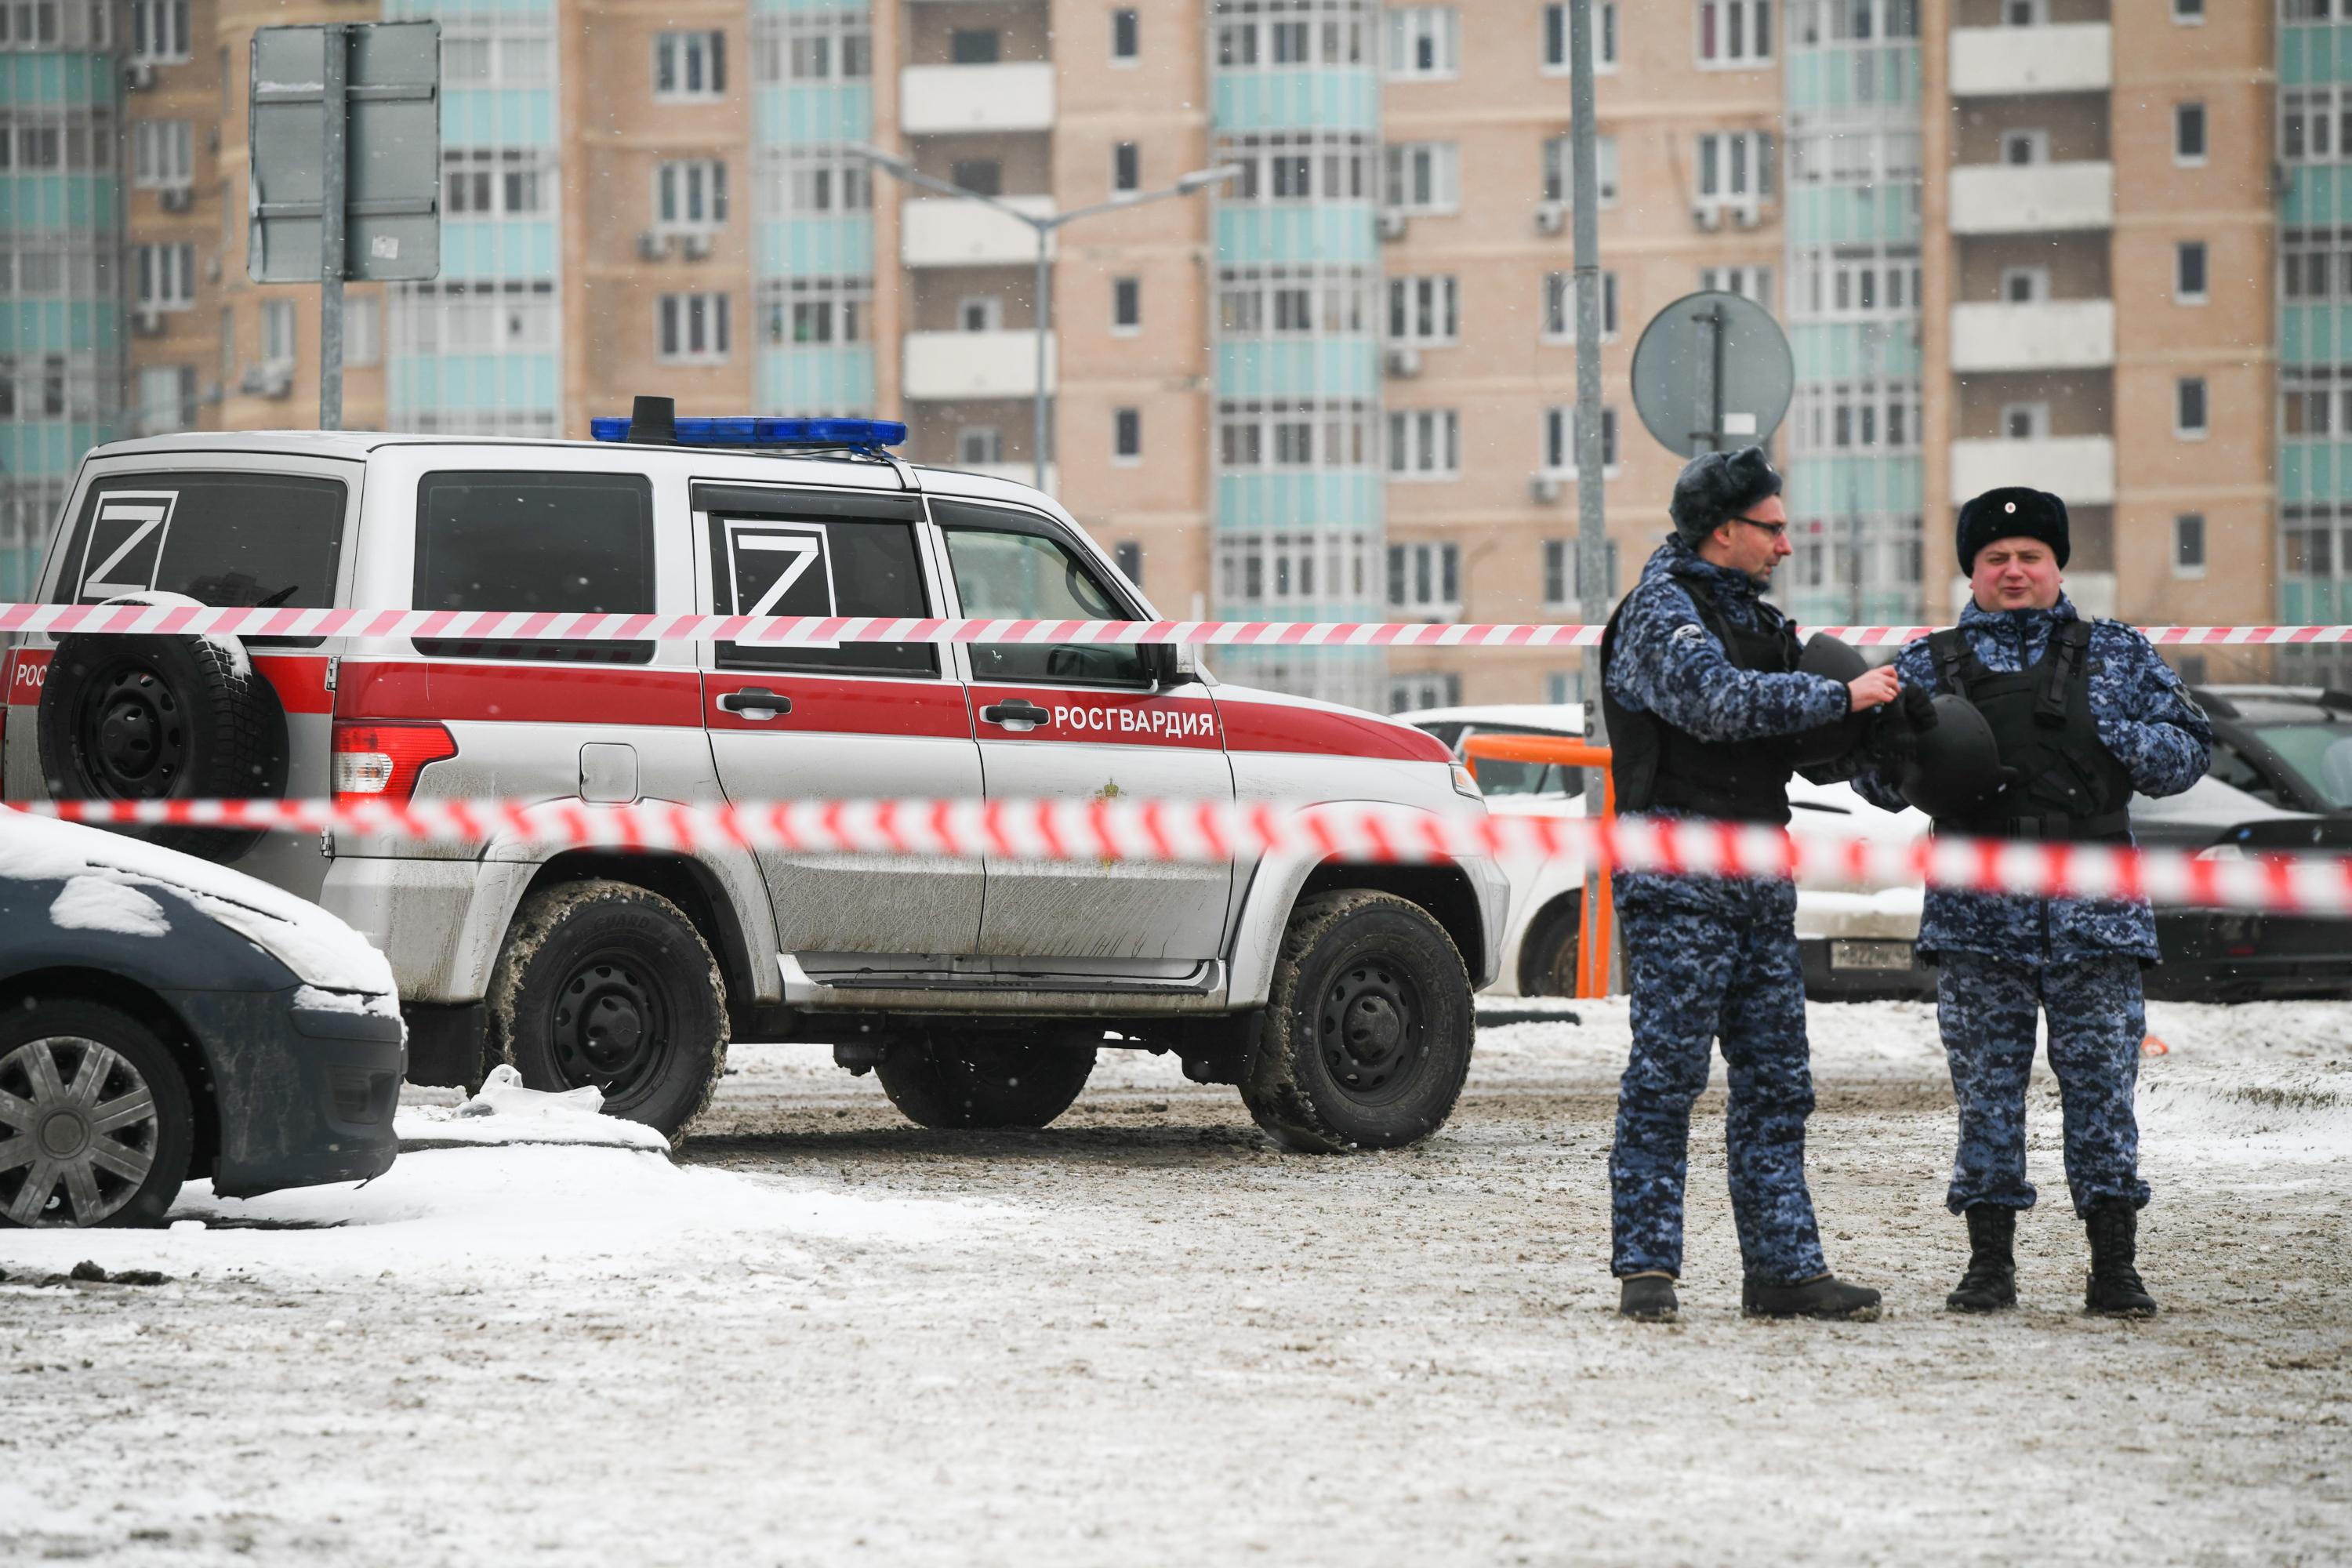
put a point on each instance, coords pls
(494, 59)
(2024, 147)
(975, 46)
(689, 66)
(1249, 44)
(811, 45)
(1326, 435)
(1605, 39)
(1859, 283)
(693, 329)
(362, 331)
(1424, 311)
(1126, 306)
(1126, 36)
(1424, 444)
(1559, 306)
(1425, 581)
(167, 399)
(1424, 42)
(2189, 13)
(1128, 552)
(2025, 285)
(279, 344)
(167, 277)
(808, 313)
(1735, 168)
(1420, 176)
(980, 313)
(690, 197)
(1412, 693)
(1562, 591)
(1559, 449)
(980, 445)
(1250, 303)
(1734, 35)
(1127, 435)
(1559, 170)
(2189, 545)
(1127, 167)
(2188, 134)
(486, 182)
(2188, 409)
(1747, 282)
(2024, 12)
(159, 31)
(2316, 125)
(2188, 271)
(162, 153)
(2025, 422)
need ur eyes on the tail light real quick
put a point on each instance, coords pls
(380, 761)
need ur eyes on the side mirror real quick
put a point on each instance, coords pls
(1167, 665)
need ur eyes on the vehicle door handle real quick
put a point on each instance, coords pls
(756, 702)
(1020, 711)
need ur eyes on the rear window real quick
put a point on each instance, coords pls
(271, 539)
(2321, 754)
(536, 541)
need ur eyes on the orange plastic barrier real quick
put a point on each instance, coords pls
(1598, 924)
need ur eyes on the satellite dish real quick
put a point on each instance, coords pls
(1713, 370)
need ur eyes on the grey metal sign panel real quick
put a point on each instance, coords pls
(1713, 370)
(387, 99)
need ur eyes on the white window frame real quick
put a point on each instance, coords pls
(2037, 285)
(1424, 445)
(1750, 283)
(1559, 454)
(992, 312)
(2204, 268)
(2197, 158)
(2181, 532)
(164, 277)
(164, 154)
(978, 446)
(159, 32)
(1427, 299)
(1560, 589)
(1605, 39)
(2188, 13)
(675, 320)
(1739, 165)
(2032, 139)
(677, 180)
(281, 335)
(2181, 430)
(1417, 564)
(1126, 169)
(1423, 43)
(362, 331)
(1134, 57)
(1433, 168)
(1131, 286)
(1559, 171)
(1560, 307)
(1425, 689)
(1122, 420)
(696, 60)
(2037, 418)
(1742, 32)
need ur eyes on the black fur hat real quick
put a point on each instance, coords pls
(1718, 485)
(2012, 512)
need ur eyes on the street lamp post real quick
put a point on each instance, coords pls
(1043, 228)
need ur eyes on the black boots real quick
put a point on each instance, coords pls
(2114, 1290)
(1991, 1282)
(1647, 1297)
(1826, 1296)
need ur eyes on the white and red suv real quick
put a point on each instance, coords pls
(1336, 995)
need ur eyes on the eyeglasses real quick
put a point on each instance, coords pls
(1775, 529)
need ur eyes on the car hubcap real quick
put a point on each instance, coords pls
(611, 1025)
(78, 1131)
(136, 744)
(1368, 1028)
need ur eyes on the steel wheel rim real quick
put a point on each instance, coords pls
(612, 1025)
(1370, 1029)
(79, 1130)
(133, 736)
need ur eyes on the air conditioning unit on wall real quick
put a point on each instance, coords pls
(177, 198)
(1392, 225)
(1403, 362)
(1546, 488)
(1708, 218)
(694, 246)
(1551, 217)
(653, 246)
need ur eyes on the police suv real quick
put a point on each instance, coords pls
(1336, 995)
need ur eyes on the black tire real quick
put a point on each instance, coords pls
(79, 1172)
(161, 718)
(1368, 1028)
(607, 984)
(1547, 957)
(971, 1080)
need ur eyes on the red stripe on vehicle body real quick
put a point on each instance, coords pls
(829, 705)
(517, 693)
(1278, 727)
(300, 681)
(1106, 718)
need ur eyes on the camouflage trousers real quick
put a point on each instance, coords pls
(1986, 1007)
(1731, 972)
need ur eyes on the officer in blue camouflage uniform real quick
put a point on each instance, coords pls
(2081, 714)
(1704, 697)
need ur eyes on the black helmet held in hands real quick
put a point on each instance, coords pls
(1955, 764)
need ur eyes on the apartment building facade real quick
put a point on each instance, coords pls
(2011, 240)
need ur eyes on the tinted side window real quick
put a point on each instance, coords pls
(224, 538)
(1008, 566)
(783, 565)
(553, 542)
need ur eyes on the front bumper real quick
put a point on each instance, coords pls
(2214, 955)
(305, 1095)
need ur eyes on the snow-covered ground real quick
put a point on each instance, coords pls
(1144, 1335)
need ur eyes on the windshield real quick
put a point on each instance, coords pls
(2320, 754)
(1498, 777)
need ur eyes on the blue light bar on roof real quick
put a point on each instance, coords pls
(754, 432)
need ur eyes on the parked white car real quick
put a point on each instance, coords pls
(1856, 942)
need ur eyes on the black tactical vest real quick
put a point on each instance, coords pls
(1657, 766)
(2069, 786)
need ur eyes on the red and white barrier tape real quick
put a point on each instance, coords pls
(500, 626)
(1162, 830)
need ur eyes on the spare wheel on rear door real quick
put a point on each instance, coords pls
(161, 718)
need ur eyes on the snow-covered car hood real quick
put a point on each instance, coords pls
(321, 949)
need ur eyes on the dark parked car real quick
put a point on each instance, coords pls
(2290, 747)
(162, 1018)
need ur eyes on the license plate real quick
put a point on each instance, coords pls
(1870, 955)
